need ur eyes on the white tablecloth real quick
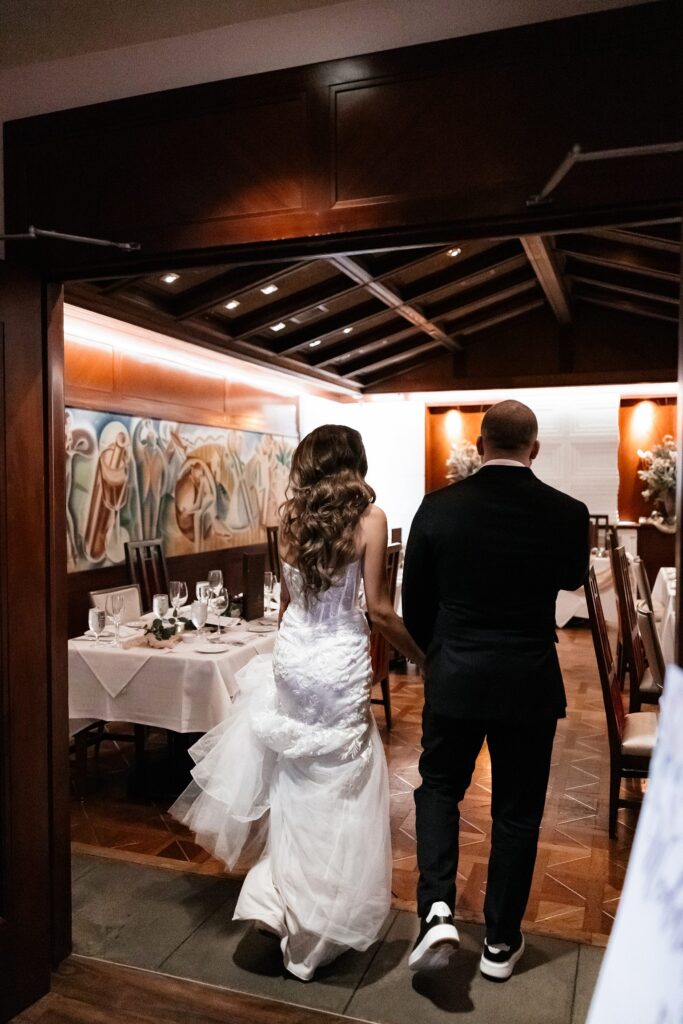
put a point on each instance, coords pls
(179, 689)
(664, 591)
(572, 603)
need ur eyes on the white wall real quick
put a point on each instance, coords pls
(394, 436)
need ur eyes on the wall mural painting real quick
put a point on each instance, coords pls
(199, 488)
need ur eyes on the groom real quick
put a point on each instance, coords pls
(484, 562)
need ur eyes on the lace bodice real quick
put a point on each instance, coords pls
(339, 602)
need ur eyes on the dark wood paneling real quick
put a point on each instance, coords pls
(441, 141)
(26, 631)
(656, 549)
(190, 568)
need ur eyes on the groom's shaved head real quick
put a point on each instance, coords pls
(509, 427)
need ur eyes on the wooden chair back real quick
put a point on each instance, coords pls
(132, 600)
(147, 567)
(611, 694)
(273, 551)
(643, 583)
(612, 538)
(634, 652)
(651, 643)
(599, 524)
(397, 535)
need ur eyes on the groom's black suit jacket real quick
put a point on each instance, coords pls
(483, 565)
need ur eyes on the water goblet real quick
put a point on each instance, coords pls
(219, 605)
(177, 591)
(160, 605)
(202, 590)
(198, 614)
(215, 578)
(114, 608)
(97, 619)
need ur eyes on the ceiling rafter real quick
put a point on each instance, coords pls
(328, 327)
(368, 341)
(353, 270)
(546, 267)
(485, 296)
(632, 237)
(390, 360)
(623, 289)
(290, 306)
(647, 310)
(228, 285)
(631, 258)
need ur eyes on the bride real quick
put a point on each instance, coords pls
(294, 781)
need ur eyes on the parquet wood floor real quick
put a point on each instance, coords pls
(579, 871)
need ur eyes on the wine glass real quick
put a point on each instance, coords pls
(202, 590)
(97, 618)
(114, 608)
(198, 614)
(219, 605)
(160, 605)
(269, 580)
(216, 581)
(178, 593)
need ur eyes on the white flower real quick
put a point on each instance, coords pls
(463, 461)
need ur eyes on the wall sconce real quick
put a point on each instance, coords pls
(454, 426)
(643, 421)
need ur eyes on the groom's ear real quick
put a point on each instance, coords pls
(480, 445)
(535, 449)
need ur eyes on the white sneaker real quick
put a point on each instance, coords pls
(498, 961)
(438, 937)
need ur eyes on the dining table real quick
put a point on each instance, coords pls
(664, 593)
(186, 688)
(571, 604)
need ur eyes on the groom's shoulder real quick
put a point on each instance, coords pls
(447, 497)
(560, 498)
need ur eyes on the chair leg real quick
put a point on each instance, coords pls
(386, 700)
(81, 750)
(614, 787)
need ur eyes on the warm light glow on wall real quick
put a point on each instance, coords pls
(643, 421)
(454, 426)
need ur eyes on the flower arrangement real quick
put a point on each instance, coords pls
(463, 461)
(659, 473)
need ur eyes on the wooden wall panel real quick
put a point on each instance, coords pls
(442, 140)
(642, 424)
(96, 377)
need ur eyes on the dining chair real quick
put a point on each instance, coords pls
(83, 734)
(147, 567)
(651, 643)
(599, 525)
(273, 551)
(397, 535)
(132, 600)
(644, 590)
(631, 736)
(643, 688)
(380, 648)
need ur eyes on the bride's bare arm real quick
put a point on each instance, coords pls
(380, 608)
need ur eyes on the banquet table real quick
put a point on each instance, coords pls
(664, 592)
(572, 603)
(181, 688)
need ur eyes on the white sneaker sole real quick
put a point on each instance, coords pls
(500, 972)
(435, 948)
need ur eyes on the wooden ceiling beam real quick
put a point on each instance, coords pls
(327, 327)
(642, 238)
(289, 306)
(648, 311)
(225, 286)
(623, 289)
(418, 350)
(545, 266)
(392, 301)
(486, 296)
(369, 340)
(413, 364)
(633, 258)
(509, 312)
(357, 361)
(468, 282)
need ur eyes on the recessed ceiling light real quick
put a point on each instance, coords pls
(455, 251)
(269, 289)
(278, 327)
(170, 278)
(347, 330)
(233, 304)
(314, 344)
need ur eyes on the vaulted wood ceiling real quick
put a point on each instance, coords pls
(359, 319)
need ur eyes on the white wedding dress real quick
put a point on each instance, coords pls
(295, 782)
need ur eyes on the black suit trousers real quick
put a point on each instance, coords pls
(520, 764)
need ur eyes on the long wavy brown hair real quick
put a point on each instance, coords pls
(326, 496)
